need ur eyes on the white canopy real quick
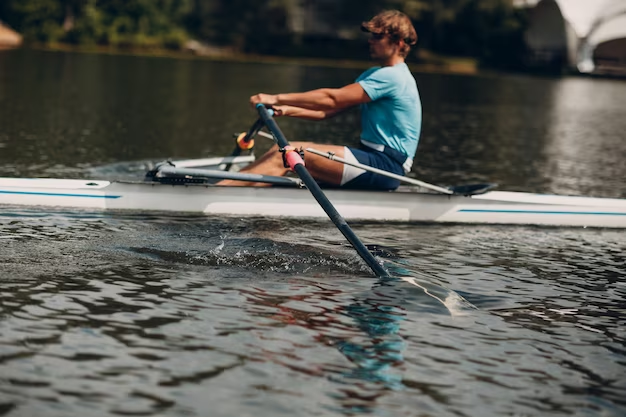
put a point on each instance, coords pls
(609, 25)
(576, 27)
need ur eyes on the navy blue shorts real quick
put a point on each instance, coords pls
(356, 178)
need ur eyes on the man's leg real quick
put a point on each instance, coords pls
(322, 169)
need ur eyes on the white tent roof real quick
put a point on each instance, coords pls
(582, 14)
(609, 30)
(588, 23)
(609, 24)
(613, 8)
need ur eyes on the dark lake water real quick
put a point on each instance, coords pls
(154, 315)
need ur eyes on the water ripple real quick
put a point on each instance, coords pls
(171, 315)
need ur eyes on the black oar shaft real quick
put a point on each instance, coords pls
(258, 125)
(250, 134)
(321, 198)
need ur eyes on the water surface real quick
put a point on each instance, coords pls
(163, 315)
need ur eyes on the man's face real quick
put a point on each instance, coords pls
(381, 46)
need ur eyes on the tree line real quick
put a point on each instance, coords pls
(490, 30)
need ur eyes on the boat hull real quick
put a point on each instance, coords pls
(404, 205)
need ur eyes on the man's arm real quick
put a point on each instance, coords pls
(306, 114)
(323, 99)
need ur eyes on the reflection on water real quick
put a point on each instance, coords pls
(560, 135)
(164, 315)
(585, 145)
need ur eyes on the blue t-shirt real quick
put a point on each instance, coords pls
(394, 116)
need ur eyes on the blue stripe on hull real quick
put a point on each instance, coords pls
(108, 197)
(595, 213)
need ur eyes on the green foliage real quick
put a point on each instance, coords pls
(107, 22)
(37, 19)
(487, 29)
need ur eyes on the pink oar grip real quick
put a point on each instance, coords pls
(293, 158)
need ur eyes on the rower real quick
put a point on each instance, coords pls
(391, 115)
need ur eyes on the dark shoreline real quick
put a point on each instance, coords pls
(467, 66)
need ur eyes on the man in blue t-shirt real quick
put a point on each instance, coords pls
(391, 114)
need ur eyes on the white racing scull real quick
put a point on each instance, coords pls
(407, 204)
